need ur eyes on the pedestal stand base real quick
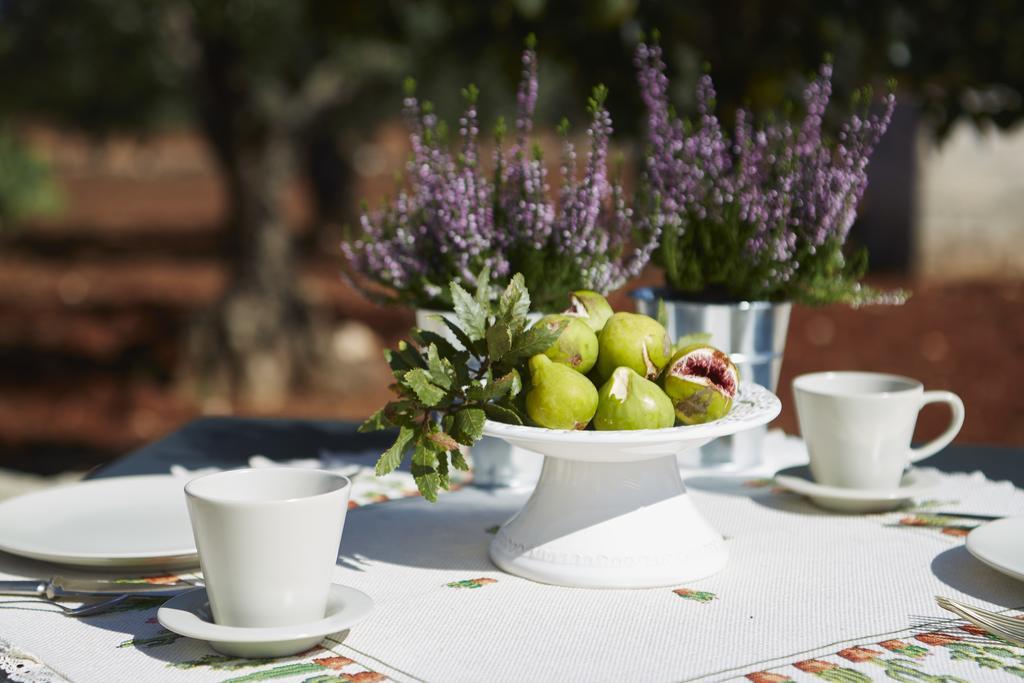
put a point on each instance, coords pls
(609, 525)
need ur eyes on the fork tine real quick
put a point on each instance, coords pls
(1011, 623)
(997, 630)
(979, 618)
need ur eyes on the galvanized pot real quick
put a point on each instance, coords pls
(753, 333)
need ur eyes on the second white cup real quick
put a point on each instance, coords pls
(858, 426)
(268, 541)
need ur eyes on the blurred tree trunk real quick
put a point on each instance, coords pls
(261, 118)
(257, 341)
(331, 180)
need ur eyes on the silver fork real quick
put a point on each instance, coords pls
(1000, 625)
(86, 610)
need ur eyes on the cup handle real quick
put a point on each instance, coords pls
(942, 440)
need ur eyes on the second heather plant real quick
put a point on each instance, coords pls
(766, 214)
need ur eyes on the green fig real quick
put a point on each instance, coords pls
(628, 401)
(590, 307)
(635, 341)
(702, 382)
(575, 347)
(559, 398)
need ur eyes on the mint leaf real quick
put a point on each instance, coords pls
(427, 481)
(502, 414)
(468, 426)
(405, 412)
(424, 454)
(397, 364)
(514, 305)
(392, 457)
(442, 472)
(459, 333)
(375, 422)
(499, 341)
(419, 381)
(483, 288)
(444, 347)
(535, 340)
(424, 464)
(444, 440)
(472, 316)
(509, 384)
(441, 372)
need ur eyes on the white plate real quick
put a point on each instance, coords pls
(1000, 545)
(915, 482)
(118, 522)
(189, 615)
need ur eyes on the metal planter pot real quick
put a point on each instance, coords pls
(753, 333)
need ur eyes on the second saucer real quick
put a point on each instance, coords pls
(915, 482)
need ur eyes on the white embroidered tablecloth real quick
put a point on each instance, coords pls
(807, 595)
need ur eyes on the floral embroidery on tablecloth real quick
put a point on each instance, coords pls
(319, 667)
(696, 596)
(769, 484)
(949, 525)
(471, 583)
(328, 666)
(165, 580)
(159, 640)
(928, 659)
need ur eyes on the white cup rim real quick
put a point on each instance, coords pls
(195, 487)
(812, 383)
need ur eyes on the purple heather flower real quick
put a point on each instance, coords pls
(453, 221)
(786, 192)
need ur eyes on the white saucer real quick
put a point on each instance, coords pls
(117, 522)
(915, 482)
(1000, 545)
(189, 615)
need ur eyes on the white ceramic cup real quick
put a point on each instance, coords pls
(268, 541)
(858, 426)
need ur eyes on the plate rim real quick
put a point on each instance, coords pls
(91, 559)
(721, 427)
(167, 615)
(988, 561)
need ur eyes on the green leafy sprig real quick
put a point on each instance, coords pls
(447, 386)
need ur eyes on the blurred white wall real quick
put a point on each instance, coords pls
(970, 206)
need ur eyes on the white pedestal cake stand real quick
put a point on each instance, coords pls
(610, 509)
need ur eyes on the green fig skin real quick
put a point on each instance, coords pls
(635, 341)
(576, 347)
(560, 397)
(628, 401)
(701, 382)
(590, 307)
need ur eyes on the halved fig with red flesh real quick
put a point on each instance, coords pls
(702, 383)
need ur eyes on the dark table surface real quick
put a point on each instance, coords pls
(231, 441)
